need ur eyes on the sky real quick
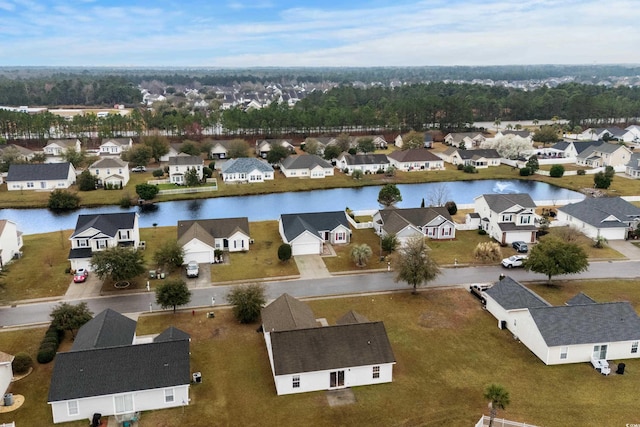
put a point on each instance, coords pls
(337, 33)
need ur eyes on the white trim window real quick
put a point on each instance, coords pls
(563, 352)
(376, 372)
(73, 407)
(169, 395)
(123, 403)
(634, 347)
(295, 383)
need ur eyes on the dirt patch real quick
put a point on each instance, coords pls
(454, 309)
(340, 397)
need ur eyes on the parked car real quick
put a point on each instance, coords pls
(80, 275)
(514, 261)
(139, 169)
(520, 246)
(477, 289)
(192, 269)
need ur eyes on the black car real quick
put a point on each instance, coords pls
(520, 246)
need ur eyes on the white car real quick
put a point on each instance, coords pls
(192, 269)
(514, 261)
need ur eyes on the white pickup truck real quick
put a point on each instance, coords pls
(601, 366)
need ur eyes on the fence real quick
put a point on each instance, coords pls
(187, 190)
(158, 181)
(500, 422)
(11, 424)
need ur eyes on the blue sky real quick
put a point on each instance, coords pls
(243, 33)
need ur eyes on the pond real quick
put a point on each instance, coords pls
(271, 206)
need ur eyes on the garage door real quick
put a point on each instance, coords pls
(205, 257)
(311, 248)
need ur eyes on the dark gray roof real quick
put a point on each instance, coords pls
(512, 295)
(414, 155)
(330, 347)
(296, 224)
(560, 145)
(181, 160)
(304, 161)
(109, 162)
(107, 329)
(105, 371)
(351, 317)
(80, 253)
(580, 299)
(108, 223)
(488, 153)
(39, 171)
(286, 313)
(395, 219)
(587, 323)
(365, 159)
(245, 165)
(583, 145)
(172, 334)
(502, 202)
(215, 228)
(597, 211)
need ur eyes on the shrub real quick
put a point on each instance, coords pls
(487, 252)
(581, 172)
(207, 172)
(469, 169)
(525, 171)
(158, 173)
(284, 252)
(212, 166)
(482, 232)
(451, 206)
(125, 202)
(46, 354)
(460, 167)
(21, 364)
(556, 171)
(63, 200)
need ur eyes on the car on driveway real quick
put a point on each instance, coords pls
(139, 169)
(520, 246)
(514, 261)
(192, 269)
(80, 275)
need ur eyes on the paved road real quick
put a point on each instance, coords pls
(25, 314)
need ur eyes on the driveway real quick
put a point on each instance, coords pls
(626, 248)
(311, 266)
(88, 289)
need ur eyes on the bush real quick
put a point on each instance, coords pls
(212, 166)
(284, 252)
(581, 172)
(63, 200)
(125, 202)
(460, 167)
(487, 252)
(207, 172)
(46, 354)
(525, 171)
(482, 232)
(469, 169)
(21, 364)
(451, 207)
(556, 171)
(158, 173)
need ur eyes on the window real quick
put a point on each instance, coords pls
(83, 243)
(296, 381)
(123, 403)
(29, 184)
(101, 244)
(124, 234)
(72, 407)
(563, 352)
(634, 347)
(506, 218)
(97, 171)
(376, 372)
(168, 395)
(525, 219)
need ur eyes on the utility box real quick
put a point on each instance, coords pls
(152, 274)
(197, 377)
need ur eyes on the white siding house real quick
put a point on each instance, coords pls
(46, 176)
(201, 238)
(10, 241)
(6, 371)
(305, 166)
(246, 169)
(432, 222)
(507, 217)
(114, 146)
(308, 232)
(609, 217)
(110, 171)
(180, 164)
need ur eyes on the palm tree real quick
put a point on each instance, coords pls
(498, 397)
(360, 254)
(497, 123)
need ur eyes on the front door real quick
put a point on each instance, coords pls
(336, 379)
(600, 352)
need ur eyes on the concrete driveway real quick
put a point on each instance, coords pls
(89, 288)
(626, 248)
(311, 266)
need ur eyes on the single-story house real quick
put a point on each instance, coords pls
(99, 232)
(45, 176)
(220, 149)
(58, 147)
(609, 217)
(180, 164)
(507, 217)
(379, 142)
(10, 241)
(633, 167)
(174, 150)
(308, 232)
(114, 146)
(306, 357)
(6, 371)
(470, 139)
(110, 374)
(525, 134)
(578, 331)
(305, 166)
(367, 163)
(246, 169)
(18, 152)
(201, 238)
(110, 171)
(432, 222)
(415, 159)
(263, 146)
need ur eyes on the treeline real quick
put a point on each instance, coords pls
(68, 90)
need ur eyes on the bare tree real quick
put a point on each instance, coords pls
(439, 195)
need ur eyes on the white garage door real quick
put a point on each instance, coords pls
(310, 248)
(204, 257)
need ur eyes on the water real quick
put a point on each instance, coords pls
(270, 206)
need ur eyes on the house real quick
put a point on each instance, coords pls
(578, 331)
(201, 238)
(6, 371)
(612, 133)
(432, 222)
(605, 154)
(308, 232)
(609, 217)
(524, 134)
(367, 163)
(305, 166)
(263, 146)
(507, 217)
(634, 134)
(470, 139)
(180, 164)
(246, 169)
(415, 159)
(45, 176)
(110, 171)
(17, 152)
(306, 357)
(220, 149)
(322, 141)
(174, 150)
(56, 148)
(111, 374)
(562, 149)
(478, 158)
(114, 146)
(379, 142)
(633, 167)
(10, 242)
(428, 141)
(99, 232)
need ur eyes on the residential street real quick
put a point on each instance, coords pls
(34, 313)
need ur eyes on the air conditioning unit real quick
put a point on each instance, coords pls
(251, 241)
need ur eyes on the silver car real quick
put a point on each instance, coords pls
(192, 269)
(514, 261)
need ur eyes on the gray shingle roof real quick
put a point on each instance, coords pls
(598, 210)
(365, 159)
(502, 202)
(172, 334)
(587, 323)
(305, 161)
(580, 299)
(108, 223)
(488, 153)
(512, 295)
(351, 317)
(414, 155)
(395, 219)
(44, 171)
(109, 162)
(185, 160)
(286, 313)
(107, 329)
(296, 224)
(213, 228)
(330, 347)
(245, 165)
